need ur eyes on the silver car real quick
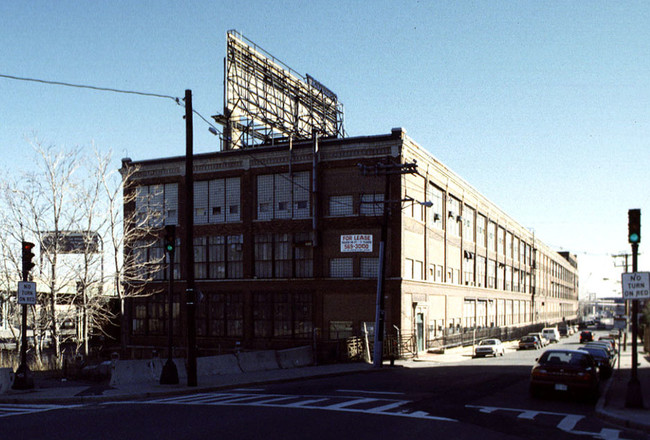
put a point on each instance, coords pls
(489, 347)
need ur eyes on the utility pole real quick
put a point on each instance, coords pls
(627, 303)
(190, 294)
(385, 169)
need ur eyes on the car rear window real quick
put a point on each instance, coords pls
(564, 358)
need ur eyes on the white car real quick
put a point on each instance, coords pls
(489, 347)
(551, 333)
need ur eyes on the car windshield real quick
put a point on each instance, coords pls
(528, 339)
(488, 342)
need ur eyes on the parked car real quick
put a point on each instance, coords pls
(604, 362)
(586, 336)
(609, 339)
(603, 344)
(489, 347)
(530, 341)
(541, 337)
(560, 370)
(551, 333)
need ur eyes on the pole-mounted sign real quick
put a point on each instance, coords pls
(636, 285)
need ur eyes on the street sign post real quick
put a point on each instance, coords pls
(26, 292)
(636, 285)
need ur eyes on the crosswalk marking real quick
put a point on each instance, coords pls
(7, 410)
(368, 405)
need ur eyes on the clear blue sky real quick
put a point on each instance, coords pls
(544, 107)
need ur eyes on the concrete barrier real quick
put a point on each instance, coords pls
(130, 371)
(6, 379)
(217, 365)
(258, 360)
(296, 357)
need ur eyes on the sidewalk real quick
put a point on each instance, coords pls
(611, 405)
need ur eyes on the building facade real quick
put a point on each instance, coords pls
(287, 247)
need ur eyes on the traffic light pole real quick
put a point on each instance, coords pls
(169, 375)
(24, 379)
(634, 396)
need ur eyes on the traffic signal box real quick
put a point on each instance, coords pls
(170, 238)
(28, 255)
(634, 225)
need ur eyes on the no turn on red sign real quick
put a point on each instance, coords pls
(636, 285)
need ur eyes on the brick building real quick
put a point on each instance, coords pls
(286, 248)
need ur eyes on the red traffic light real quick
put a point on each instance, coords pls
(27, 257)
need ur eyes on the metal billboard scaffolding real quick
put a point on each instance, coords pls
(265, 101)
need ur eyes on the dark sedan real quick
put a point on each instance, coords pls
(586, 336)
(565, 371)
(603, 360)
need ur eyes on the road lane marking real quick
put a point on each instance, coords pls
(567, 424)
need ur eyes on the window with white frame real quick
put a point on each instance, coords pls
(492, 236)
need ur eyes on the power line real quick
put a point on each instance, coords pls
(85, 86)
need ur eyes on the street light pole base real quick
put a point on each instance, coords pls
(169, 375)
(634, 396)
(23, 379)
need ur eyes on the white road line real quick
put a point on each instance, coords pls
(370, 392)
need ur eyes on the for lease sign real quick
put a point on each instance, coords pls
(356, 243)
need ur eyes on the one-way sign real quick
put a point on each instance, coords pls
(636, 285)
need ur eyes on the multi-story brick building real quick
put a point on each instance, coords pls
(287, 237)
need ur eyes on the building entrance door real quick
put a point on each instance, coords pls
(419, 331)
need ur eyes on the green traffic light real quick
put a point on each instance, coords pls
(634, 238)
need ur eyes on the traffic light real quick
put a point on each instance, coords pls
(634, 226)
(27, 257)
(170, 238)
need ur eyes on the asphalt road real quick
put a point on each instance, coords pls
(476, 399)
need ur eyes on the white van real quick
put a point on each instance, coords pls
(551, 333)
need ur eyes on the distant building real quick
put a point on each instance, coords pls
(287, 239)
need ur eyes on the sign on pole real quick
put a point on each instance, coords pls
(26, 292)
(636, 285)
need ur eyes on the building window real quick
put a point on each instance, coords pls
(372, 204)
(480, 271)
(218, 257)
(492, 274)
(369, 267)
(283, 196)
(480, 230)
(279, 314)
(341, 268)
(492, 236)
(408, 269)
(224, 314)
(149, 262)
(435, 196)
(340, 329)
(508, 245)
(468, 224)
(156, 205)
(501, 240)
(284, 255)
(453, 216)
(217, 201)
(341, 206)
